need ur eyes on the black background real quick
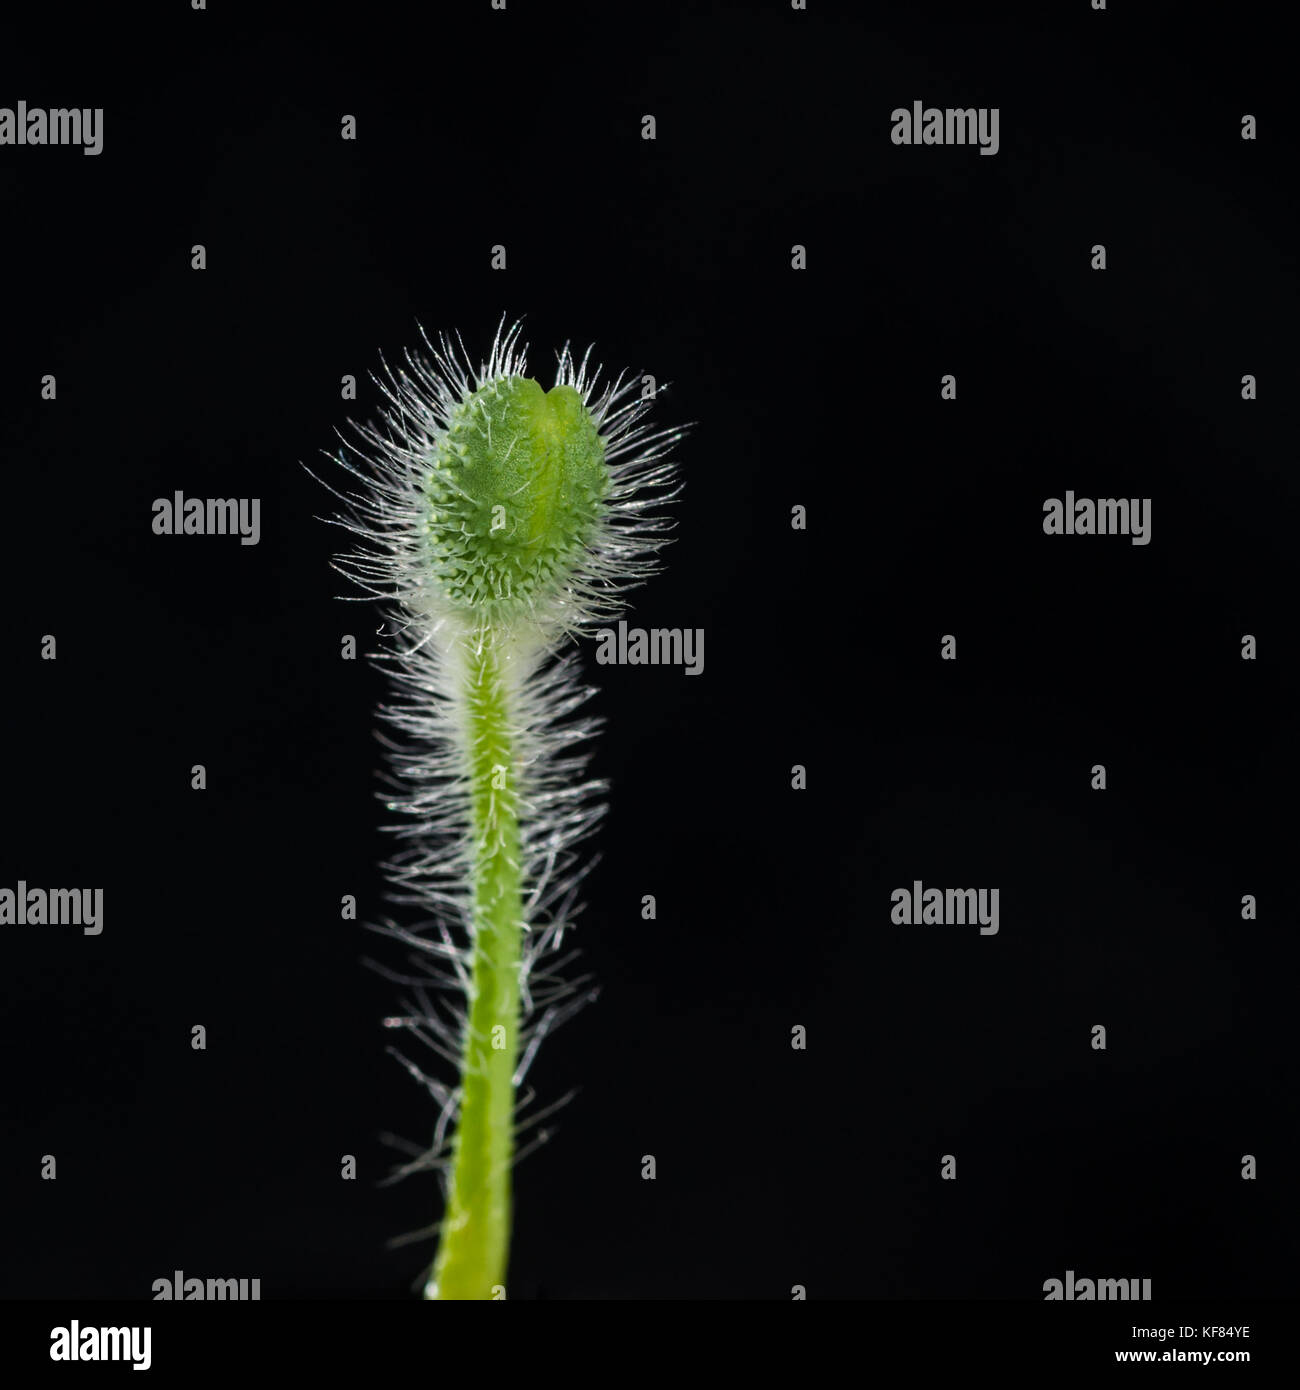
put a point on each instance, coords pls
(818, 388)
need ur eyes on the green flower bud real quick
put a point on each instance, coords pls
(517, 489)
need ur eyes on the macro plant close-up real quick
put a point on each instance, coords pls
(399, 908)
(497, 521)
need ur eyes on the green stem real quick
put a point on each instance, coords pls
(475, 1240)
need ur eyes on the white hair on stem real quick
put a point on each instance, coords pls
(404, 547)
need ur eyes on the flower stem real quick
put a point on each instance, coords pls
(475, 1240)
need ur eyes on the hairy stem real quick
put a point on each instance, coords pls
(475, 1239)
